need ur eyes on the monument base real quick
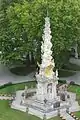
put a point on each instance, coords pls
(40, 109)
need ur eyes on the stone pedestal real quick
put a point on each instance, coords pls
(46, 88)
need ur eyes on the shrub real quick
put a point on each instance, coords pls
(72, 83)
(62, 81)
(5, 85)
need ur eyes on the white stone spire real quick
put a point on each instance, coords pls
(46, 51)
(47, 64)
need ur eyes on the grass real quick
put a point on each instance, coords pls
(19, 86)
(65, 73)
(15, 87)
(75, 89)
(6, 113)
(77, 114)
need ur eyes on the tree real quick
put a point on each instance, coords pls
(25, 28)
(65, 27)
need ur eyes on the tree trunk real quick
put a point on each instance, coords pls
(27, 60)
(32, 58)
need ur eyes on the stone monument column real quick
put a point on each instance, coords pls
(47, 79)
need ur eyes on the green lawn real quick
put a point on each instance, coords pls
(75, 89)
(15, 87)
(77, 114)
(6, 113)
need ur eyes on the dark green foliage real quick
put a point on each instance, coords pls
(72, 83)
(23, 70)
(62, 58)
(22, 24)
(62, 81)
(66, 73)
(5, 85)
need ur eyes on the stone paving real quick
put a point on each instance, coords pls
(76, 76)
(75, 61)
(6, 76)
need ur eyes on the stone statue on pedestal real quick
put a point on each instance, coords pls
(47, 79)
